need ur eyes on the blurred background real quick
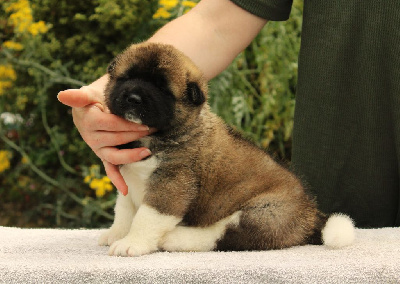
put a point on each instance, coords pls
(48, 176)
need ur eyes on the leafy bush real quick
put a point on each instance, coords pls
(48, 161)
(256, 93)
(48, 175)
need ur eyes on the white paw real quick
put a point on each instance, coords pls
(129, 247)
(112, 235)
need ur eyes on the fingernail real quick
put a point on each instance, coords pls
(152, 130)
(145, 153)
(143, 128)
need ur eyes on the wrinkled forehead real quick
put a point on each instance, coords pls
(156, 62)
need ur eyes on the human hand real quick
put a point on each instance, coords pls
(102, 130)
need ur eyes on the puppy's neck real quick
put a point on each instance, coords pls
(179, 134)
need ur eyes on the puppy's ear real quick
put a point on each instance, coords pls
(194, 94)
(111, 68)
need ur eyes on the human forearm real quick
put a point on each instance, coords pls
(212, 34)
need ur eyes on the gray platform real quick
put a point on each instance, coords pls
(72, 256)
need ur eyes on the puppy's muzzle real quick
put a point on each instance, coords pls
(132, 99)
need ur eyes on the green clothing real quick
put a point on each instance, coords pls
(346, 139)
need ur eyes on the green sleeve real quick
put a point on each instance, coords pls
(273, 10)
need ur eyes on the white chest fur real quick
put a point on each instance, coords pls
(136, 176)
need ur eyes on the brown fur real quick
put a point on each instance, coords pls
(207, 171)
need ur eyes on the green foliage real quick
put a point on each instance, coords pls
(256, 93)
(45, 180)
(86, 35)
(52, 177)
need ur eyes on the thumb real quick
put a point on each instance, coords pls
(80, 97)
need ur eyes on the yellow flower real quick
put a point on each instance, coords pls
(4, 86)
(168, 4)
(100, 185)
(22, 16)
(25, 160)
(21, 4)
(22, 20)
(5, 157)
(38, 28)
(87, 179)
(165, 7)
(7, 76)
(106, 179)
(162, 13)
(7, 73)
(13, 45)
(189, 4)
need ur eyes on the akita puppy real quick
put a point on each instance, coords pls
(204, 187)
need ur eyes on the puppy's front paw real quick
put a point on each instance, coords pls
(129, 247)
(112, 235)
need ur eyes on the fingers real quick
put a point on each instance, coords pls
(116, 178)
(101, 139)
(81, 97)
(93, 118)
(122, 156)
(114, 157)
(102, 130)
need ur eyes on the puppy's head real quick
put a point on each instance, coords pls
(156, 85)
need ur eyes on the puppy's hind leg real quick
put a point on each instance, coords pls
(272, 221)
(184, 238)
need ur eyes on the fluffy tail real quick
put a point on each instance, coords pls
(338, 231)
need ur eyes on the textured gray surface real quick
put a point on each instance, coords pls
(72, 256)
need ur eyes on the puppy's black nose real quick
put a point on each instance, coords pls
(133, 98)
